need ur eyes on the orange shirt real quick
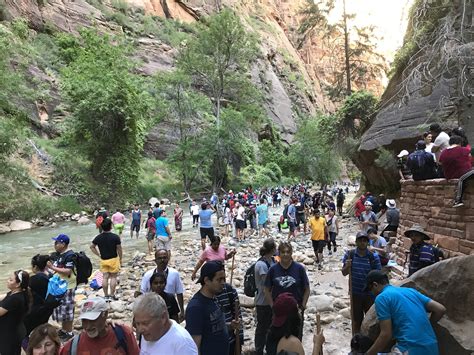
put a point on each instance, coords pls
(317, 228)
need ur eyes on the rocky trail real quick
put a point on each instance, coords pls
(329, 289)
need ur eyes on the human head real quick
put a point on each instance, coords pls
(403, 154)
(94, 313)
(161, 259)
(360, 344)
(417, 234)
(268, 247)
(420, 145)
(316, 213)
(283, 306)
(106, 224)
(435, 129)
(459, 131)
(331, 212)
(372, 233)
(150, 213)
(18, 280)
(215, 243)
(362, 240)
(158, 282)
(61, 242)
(177, 204)
(455, 140)
(368, 205)
(136, 206)
(38, 262)
(204, 205)
(375, 282)
(428, 138)
(157, 205)
(286, 252)
(212, 276)
(44, 340)
(151, 316)
(262, 201)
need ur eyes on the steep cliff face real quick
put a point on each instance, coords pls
(435, 85)
(280, 72)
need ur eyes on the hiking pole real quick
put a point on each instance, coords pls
(318, 330)
(352, 302)
(237, 331)
(232, 269)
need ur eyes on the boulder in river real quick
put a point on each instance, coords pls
(4, 229)
(19, 225)
(83, 220)
(450, 283)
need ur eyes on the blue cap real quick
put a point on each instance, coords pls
(62, 238)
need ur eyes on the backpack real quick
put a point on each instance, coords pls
(418, 164)
(57, 287)
(119, 334)
(250, 287)
(82, 267)
(371, 257)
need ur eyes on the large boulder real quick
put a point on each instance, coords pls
(19, 225)
(4, 229)
(450, 282)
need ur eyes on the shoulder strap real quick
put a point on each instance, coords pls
(74, 344)
(120, 335)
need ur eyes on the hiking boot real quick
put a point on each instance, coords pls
(458, 204)
(335, 249)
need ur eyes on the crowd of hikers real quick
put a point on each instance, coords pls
(213, 317)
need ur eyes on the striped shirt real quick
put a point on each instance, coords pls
(361, 266)
(421, 255)
(227, 300)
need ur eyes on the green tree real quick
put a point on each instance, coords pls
(110, 109)
(218, 61)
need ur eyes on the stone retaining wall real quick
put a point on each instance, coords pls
(429, 203)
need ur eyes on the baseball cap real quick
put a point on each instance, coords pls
(284, 305)
(361, 235)
(61, 238)
(371, 230)
(374, 276)
(403, 153)
(92, 308)
(209, 269)
(421, 144)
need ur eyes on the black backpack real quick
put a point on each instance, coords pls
(250, 287)
(82, 267)
(285, 212)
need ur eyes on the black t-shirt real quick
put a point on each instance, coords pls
(107, 243)
(39, 288)
(204, 317)
(171, 304)
(10, 322)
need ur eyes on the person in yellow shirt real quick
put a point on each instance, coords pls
(319, 236)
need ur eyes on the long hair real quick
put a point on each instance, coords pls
(23, 278)
(41, 332)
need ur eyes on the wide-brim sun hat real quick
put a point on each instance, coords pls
(416, 229)
(391, 203)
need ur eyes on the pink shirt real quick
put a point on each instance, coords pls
(210, 254)
(118, 218)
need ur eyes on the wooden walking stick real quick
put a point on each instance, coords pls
(232, 269)
(352, 302)
(237, 331)
(318, 330)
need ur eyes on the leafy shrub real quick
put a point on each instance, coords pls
(20, 27)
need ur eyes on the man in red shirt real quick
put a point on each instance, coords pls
(456, 163)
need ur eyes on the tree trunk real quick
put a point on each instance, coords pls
(346, 53)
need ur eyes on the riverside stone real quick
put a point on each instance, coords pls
(19, 225)
(83, 220)
(4, 229)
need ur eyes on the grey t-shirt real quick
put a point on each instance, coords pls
(393, 216)
(261, 270)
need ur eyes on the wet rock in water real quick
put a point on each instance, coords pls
(19, 225)
(65, 215)
(4, 229)
(53, 225)
(449, 282)
(75, 217)
(83, 220)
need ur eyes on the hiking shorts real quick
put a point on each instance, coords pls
(111, 266)
(239, 224)
(292, 226)
(119, 228)
(318, 245)
(265, 225)
(135, 227)
(65, 311)
(207, 232)
(150, 235)
(162, 242)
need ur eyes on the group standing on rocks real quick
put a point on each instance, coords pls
(213, 316)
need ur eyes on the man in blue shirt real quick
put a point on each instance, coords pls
(205, 320)
(205, 228)
(163, 233)
(291, 218)
(359, 262)
(262, 218)
(422, 254)
(402, 314)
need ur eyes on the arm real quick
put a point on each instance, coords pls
(268, 296)
(384, 337)
(196, 268)
(181, 306)
(305, 297)
(437, 310)
(168, 232)
(197, 339)
(62, 270)
(346, 269)
(3, 311)
(93, 248)
(231, 254)
(337, 225)
(119, 252)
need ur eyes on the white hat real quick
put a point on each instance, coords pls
(368, 203)
(92, 308)
(403, 153)
(391, 204)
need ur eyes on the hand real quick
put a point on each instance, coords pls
(235, 324)
(318, 339)
(348, 263)
(49, 264)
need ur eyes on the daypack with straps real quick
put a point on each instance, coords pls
(250, 287)
(369, 253)
(82, 266)
(119, 334)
